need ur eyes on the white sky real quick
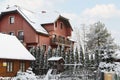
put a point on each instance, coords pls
(78, 11)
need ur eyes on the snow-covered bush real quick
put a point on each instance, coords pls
(110, 67)
(28, 75)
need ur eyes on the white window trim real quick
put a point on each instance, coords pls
(19, 31)
(9, 66)
(10, 19)
(22, 66)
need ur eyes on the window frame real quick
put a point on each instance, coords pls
(9, 67)
(55, 24)
(22, 66)
(12, 19)
(20, 35)
(61, 25)
(20, 31)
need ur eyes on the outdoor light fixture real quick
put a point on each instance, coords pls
(4, 64)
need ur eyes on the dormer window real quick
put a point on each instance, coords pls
(12, 19)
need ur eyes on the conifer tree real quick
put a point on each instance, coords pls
(67, 59)
(42, 51)
(63, 52)
(45, 62)
(92, 60)
(54, 52)
(76, 56)
(98, 39)
(58, 51)
(49, 53)
(87, 58)
(71, 55)
(81, 56)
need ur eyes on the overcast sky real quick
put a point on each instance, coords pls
(78, 11)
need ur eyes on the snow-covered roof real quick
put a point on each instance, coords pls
(116, 55)
(31, 17)
(71, 39)
(36, 19)
(12, 48)
(55, 58)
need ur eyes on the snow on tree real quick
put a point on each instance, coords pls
(67, 59)
(58, 51)
(92, 59)
(32, 51)
(86, 58)
(41, 58)
(37, 63)
(49, 52)
(76, 56)
(45, 61)
(97, 40)
(54, 52)
(81, 56)
(71, 55)
(63, 52)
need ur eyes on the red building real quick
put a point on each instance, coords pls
(36, 29)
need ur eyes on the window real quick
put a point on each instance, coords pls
(55, 24)
(22, 66)
(9, 66)
(44, 47)
(12, 20)
(21, 35)
(61, 25)
(11, 33)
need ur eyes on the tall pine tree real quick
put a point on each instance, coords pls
(97, 39)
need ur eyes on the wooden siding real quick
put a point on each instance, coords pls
(16, 67)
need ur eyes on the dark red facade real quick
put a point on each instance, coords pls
(58, 32)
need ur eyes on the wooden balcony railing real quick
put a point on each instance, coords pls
(60, 41)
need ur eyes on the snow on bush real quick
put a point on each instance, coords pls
(28, 75)
(109, 67)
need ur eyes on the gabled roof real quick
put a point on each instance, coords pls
(29, 16)
(12, 48)
(36, 19)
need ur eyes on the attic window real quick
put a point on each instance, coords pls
(61, 25)
(55, 24)
(12, 19)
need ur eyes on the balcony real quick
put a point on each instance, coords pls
(61, 41)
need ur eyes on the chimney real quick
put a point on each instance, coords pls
(8, 7)
(43, 11)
